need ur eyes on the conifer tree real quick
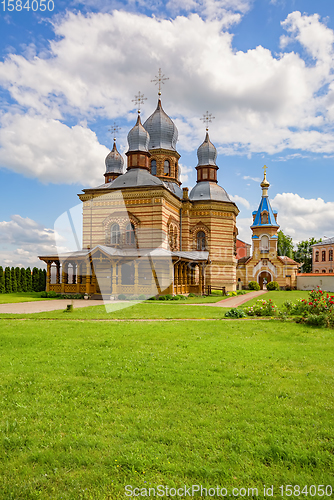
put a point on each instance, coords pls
(18, 279)
(2, 280)
(23, 280)
(13, 275)
(29, 279)
(35, 279)
(42, 280)
(8, 280)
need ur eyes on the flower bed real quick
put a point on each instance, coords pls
(262, 308)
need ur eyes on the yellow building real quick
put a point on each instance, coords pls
(142, 233)
(265, 265)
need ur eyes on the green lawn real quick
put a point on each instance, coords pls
(8, 298)
(87, 408)
(279, 297)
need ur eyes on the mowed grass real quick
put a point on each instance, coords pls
(87, 408)
(10, 298)
(279, 297)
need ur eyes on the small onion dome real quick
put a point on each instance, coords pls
(138, 138)
(114, 161)
(162, 130)
(206, 153)
(265, 184)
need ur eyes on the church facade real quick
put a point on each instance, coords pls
(265, 265)
(142, 233)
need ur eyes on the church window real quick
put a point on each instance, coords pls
(323, 255)
(115, 235)
(265, 243)
(265, 218)
(317, 270)
(130, 234)
(201, 240)
(205, 173)
(330, 271)
(324, 270)
(166, 168)
(330, 255)
(153, 167)
(317, 256)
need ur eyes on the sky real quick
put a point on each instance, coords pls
(262, 68)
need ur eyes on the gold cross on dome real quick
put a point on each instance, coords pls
(207, 118)
(138, 100)
(159, 80)
(265, 169)
(114, 129)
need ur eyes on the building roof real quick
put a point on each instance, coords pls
(287, 260)
(264, 206)
(138, 138)
(206, 153)
(135, 177)
(114, 161)
(208, 191)
(162, 130)
(328, 241)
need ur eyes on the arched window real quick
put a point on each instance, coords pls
(201, 240)
(330, 255)
(265, 243)
(317, 256)
(264, 218)
(324, 270)
(115, 235)
(153, 167)
(323, 255)
(166, 168)
(130, 234)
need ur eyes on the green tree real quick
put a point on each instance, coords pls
(29, 279)
(284, 245)
(2, 280)
(42, 280)
(8, 280)
(13, 275)
(18, 279)
(23, 280)
(303, 254)
(35, 279)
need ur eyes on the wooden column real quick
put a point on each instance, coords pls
(136, 277)
(48, 276)
(88, 277)
(63, 278)
(58, 273)
(114, 282)
(78, 278)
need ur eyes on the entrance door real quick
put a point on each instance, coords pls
(262, 276)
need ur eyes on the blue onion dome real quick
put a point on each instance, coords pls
(138, 138)
(162, 130)
(114, 161)
(206, 153)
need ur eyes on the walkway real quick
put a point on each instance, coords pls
(234, 301)
(46, 305)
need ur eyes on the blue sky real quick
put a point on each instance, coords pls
(263, 68)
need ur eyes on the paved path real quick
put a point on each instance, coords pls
(46, 305)
(234, 301)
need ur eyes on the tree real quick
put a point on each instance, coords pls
(42, 280)
(18, 279)
(23, 280)
(8, 280)
(303, 254)
(2, 280)
(35, 279)
(284, 245)
(29, 280)
(13, 276)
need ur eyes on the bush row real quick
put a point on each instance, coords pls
(19, 279)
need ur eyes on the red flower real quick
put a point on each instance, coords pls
(310, 303)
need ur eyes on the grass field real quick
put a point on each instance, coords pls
(279, 297)
(87, 408)
(9, 298)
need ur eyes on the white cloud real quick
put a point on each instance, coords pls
(255, 179)
(244, 231)
(36, 146)
(261, 103)
(303, 218)
(184, 172)
(22, 239)
(238, 199)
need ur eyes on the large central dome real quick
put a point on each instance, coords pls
(163, 132)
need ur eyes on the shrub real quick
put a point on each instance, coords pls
(273, 285)
(241, 292)
(231, 294)
(152, 298)
(192, 295)
(235, 313)
(262, 308)
(122, 296)
(318, 310)
(142, 297)
(162, 297)
(253, 285)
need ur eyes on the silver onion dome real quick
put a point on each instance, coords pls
(207, 153)
(114, 161)
(162, 130)
(208, 191)
(138, 137)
